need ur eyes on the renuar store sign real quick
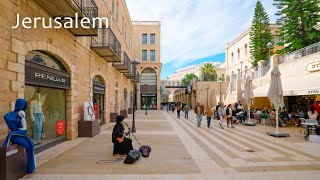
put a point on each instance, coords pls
(313, 67)
(43, 76)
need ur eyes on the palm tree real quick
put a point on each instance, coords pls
(188, 78)
(208, 72)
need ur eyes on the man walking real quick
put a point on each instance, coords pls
(178, 110)
(199, 110)
(186, 109)
(221, 113)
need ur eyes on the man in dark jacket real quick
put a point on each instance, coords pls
(199, 110)
(122, 145)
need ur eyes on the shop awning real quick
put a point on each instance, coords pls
(293, 86)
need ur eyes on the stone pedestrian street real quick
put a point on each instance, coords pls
(180, 150)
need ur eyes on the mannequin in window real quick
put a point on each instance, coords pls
(37, 117)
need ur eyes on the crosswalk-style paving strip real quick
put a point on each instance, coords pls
(267, 155)
(269, 144)
(198, 154)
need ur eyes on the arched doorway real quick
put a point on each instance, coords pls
(130, 109)
(46, 82)
(125, 96)
(124, 111)
(99, 91)
(148, 88)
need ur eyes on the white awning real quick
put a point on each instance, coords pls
(294, 86)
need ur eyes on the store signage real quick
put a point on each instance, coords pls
(60, 127)
(313, 67)
(189, 90)
(88, 111)
(314, 91)
(98, 88)
(37, 74)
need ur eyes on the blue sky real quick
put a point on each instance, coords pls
(195, 29)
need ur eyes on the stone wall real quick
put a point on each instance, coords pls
(74, 53)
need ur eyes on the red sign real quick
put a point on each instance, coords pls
(60, 127)
(96, 109)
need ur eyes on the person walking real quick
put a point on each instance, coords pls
(208, 113)
(221, 113)
(199, 110)
(172, 107)
(229, 116)
(178, 110)
(186, 109)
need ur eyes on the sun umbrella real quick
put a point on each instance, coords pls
(275, 94)
(248, 93)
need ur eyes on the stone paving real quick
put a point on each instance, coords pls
(180, 150)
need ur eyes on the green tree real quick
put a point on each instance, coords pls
(188, 78)
(298, 19)
(260, 35)
(208, 72)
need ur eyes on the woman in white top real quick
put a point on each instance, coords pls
(312, 113)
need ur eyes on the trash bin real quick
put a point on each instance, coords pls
(13, 162)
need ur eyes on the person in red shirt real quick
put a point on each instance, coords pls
(317, 107)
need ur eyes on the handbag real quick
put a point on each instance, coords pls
(132, 157)
(145, 150)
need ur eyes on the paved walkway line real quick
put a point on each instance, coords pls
(201, 158)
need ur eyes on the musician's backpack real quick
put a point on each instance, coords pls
(132, 157)
(145, 150)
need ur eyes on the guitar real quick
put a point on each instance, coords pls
(121, 139)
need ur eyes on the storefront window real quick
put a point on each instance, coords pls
(46, 113)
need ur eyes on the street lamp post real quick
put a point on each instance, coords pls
(207, 88)
(135, 63)
(220, 82)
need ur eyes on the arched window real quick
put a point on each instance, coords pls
(149, 77)
(238, 54)
(98, 80)
(246, 70)
(45, 59)
(232, 57)
(125, 95)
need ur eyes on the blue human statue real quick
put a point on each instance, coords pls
(16, 121)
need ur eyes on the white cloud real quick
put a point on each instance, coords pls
(192, 29)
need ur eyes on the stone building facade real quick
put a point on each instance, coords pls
(146, 48)
(96, 63)
(238, 61)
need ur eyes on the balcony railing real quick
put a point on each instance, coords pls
(124, 66)
(131, 77)
(314, 48)
(68, 8)
(107, 45)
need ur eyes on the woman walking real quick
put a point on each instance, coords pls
(178, 110)
(208, 113)
(229, 116)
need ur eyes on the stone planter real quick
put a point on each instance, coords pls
(13, 163)
(88, 128)
(113, 117)
(124, 113)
